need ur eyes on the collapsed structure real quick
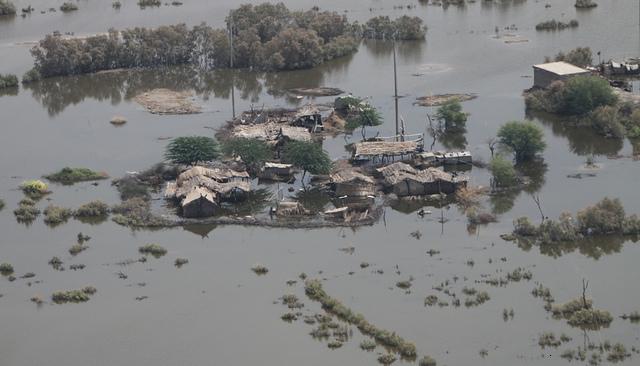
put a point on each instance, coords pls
(405, 180)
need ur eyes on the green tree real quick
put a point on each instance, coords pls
(581, 56)
(366, 115)
(451, 115)
(252, 152)
(192, 149)
(503, 171)
(583, 94)
(7, 8)
(308, 156)
(525, 139)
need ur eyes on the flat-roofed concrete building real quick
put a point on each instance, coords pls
(545, 74)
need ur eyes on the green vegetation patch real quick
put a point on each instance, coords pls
(73, 296)
(6, 269)
(35, 189)
(8, 80)
(7, 8)
(153, 249)
(55, 215)
(74, 175)
(314, 290)
(92, 209)
(68, 6)
(192, 149)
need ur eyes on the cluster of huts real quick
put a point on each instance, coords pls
(376, 165)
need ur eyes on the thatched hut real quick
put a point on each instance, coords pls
(308, 117)
(404, 180)
(200, 189)
(272, 133)
(350, 182)
(387, 151)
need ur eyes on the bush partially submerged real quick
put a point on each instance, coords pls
(314, 290)
(75, 296)
(8, 80)
(153, 249)
(135, 213)
(34, 189)
(7, 8)
(92, 209)
(192, 149)
(6, 269)
(55, 215)
(259, 269)
(26, 211)
(73, 175)
(580, 313)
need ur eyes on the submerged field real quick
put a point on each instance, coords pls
(398, 273)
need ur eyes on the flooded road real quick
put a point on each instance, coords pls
(215, 310)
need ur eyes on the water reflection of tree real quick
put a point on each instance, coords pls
(593, 247)
(58, 93)
(534, 173)
(410, 51)
(583, 140)
(314, 199)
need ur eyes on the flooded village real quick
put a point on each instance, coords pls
(366, 182)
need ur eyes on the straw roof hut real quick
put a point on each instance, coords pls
(272, 133)
(405, 180)
(386, 150)
(350, 182)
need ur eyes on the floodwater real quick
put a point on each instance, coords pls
(214, 310)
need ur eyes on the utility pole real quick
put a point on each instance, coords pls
(233, 94)
(395, 83)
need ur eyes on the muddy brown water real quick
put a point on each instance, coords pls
(214, 310)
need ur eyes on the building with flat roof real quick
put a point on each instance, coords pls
(545, 74)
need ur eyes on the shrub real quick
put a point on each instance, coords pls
(34, 188)
(524, 227)
(77, 249)
(8, 81)
(607, 216)
(31, 76)
(583, 94)
(427, 361)
(403, 28)
(66, 7)
(76, 296)
(525, 139)
(55, 215)
(451, 115)
(144, 3)
(73, 175)
(556, 25)
(365, 115)
(260, 269)
(191, 150)
(92, 209)
(504, 174)
(605, 120)
(367, 345)
(153, 249)
(131, 187)
(7, 8)
(308, 156)
(581, 56)
(252, 152)
(585, 4)
(26, 211)
(6, 269)
(181, 262)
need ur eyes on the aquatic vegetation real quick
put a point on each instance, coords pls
(190, 150)
(77, 249)
(548, 339)
(116, 4)
(7, 80)
(6, 269)
(55, 215)
(368, 345)
(634, 317)
(34, 189)
(480, 298)
(67, 6)
(618, 353)
(314, 290)
(289, 317)
(74, 175)
(74, 296)
(403, 284)
(469, 291)
(89, 290)
(180, 262)
(577, 96)
(92, 209)
(430, 300)
(334, 344)
(26, 211)
(556, 25)
(56, 263)
(364, 265)
(7, 8)
(519, 274)
(544, 293)
(77, 267)
(136, 212)
(144, 3)
(259, 269)
(37, 300)
(480, 218)
(585, 4)
(387, 359)
(1, 204)
(153, 249)
(590, 319)
(427, 361)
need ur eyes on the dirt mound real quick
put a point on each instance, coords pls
(440, 99)
(165, 101)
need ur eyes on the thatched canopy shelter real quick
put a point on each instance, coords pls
(351, 182)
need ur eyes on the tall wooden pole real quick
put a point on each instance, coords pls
(233, 93)
(395, 84)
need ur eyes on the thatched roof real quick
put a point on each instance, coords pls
(277, 165)
(350, 176)
(399, 172)
(270, 132)
(198, 193)
(376, 148)
(215, 180)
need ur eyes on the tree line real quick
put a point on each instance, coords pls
(264, 37)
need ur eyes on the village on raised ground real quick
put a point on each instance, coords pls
(408, 182)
